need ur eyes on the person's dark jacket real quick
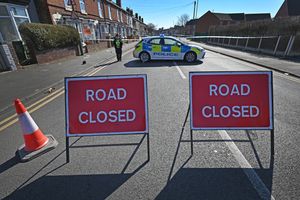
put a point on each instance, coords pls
(118, 43)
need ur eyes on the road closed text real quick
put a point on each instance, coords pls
(225, 111)
(231, 99)
(106, 105)
(101, 116)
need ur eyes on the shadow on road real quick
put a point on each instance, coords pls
(158, 63)
(9, 163)
(76, 187)
(71, 187)
(215, 183)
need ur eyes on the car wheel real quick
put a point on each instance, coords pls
(144, 57)
(190, 57)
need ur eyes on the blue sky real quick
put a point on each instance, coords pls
(164, 13)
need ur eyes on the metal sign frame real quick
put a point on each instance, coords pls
(270, 83)
(109, 77)
(271, 108)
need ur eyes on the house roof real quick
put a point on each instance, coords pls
(191, 22)
(289, 8)
(242, 16)
(260, 16)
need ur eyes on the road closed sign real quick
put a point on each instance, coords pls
(231, 100)
(106, 105)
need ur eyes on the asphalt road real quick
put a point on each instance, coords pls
(116, 167)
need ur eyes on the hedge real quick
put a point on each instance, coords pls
(46, 36)
(281, 26)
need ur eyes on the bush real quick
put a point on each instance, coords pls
(46, 36)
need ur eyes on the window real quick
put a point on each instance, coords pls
(10, 18)
(118, 15)
(67, 4)
(170, 42)
(82, 6)
(109, 12)
(121, 16)
(155, 41)
(20, 15)
(99, 8)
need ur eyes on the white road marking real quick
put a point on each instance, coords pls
(257, 183)
(179, 70)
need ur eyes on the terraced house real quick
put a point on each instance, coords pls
(94, 19)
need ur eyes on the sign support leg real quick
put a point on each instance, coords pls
(148, 146)
(192, 145)
(191, 131)
(67, 150)
(272, 143)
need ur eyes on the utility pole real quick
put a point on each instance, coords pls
(197, 8)
(194, 14)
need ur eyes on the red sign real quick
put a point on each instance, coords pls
(106, 105)
(231, 100)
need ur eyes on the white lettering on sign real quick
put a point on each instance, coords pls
(112, 116)
(101, 94)
(228, 111)
(225, 90)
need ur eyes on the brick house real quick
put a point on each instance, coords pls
(94, 19)
(209, 19)
(289, 8)
(190, 27)
(12, 14)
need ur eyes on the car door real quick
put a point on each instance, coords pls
(155, 48)
(171, 49)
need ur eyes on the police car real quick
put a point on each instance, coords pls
(167, 48)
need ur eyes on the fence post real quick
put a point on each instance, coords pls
(288, 46)
(274, 53)
(247, 43)
(291, 46)
(258, 48)
(237, 42)
(229, 41)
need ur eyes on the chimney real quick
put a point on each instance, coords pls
(140, 18)
(119, 3)
(136, 15)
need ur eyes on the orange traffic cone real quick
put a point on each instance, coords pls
(35, 142)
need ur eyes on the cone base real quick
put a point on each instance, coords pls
(26, 155)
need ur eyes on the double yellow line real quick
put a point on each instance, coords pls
(42, 102)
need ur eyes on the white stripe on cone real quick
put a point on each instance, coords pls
(28, 126)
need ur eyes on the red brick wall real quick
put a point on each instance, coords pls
(204, 22)
(97, 46)
(91, 7)
(52, 55)
(283, 11)
(114, 13)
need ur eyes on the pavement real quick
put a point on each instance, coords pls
(225, 165)
(281, 65)
(16, 84)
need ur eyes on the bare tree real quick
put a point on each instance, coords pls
(183, 19)
(151, 28)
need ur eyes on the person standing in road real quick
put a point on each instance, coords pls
(118, 43)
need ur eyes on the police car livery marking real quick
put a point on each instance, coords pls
(166, 48)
